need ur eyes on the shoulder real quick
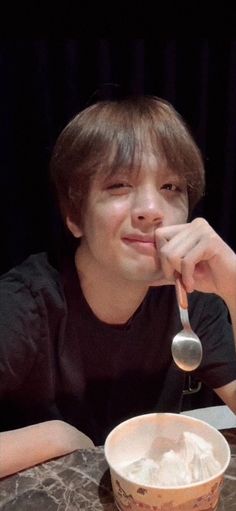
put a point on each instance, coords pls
(35, 266)
(31, 305)
(35, 272)
(30, 284)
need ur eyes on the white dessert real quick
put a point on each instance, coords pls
(189, 461)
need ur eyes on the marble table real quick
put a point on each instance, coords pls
(81, 481)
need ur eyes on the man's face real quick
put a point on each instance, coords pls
(121, 216)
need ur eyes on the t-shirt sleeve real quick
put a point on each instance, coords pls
(213, 327)
(19, 329)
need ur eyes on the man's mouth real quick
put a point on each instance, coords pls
(144, 244)
(143, 238)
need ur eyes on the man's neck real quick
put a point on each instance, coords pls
(112, 300)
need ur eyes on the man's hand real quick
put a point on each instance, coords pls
(204, 260)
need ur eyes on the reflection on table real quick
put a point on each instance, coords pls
(81, 481)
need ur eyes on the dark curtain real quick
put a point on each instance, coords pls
(44, 83)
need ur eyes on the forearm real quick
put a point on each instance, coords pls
(229, 291)
(231, 304)
(25, 447)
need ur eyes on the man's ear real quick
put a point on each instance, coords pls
(74, 228)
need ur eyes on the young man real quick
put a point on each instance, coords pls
(88, 344)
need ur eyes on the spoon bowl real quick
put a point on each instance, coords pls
(186, 346)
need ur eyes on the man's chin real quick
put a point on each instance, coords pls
(157, 278)
(161, 281)
(151, 277)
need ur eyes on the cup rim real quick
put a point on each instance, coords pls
(175, 488)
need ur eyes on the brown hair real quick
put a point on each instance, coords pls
(112, 135)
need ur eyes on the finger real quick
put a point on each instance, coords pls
(182, 254)
(165, 264)
(172, 252)
(167, 233)
(195, 265)
(199, 227)
(184, 246)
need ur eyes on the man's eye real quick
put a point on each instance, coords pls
(171, 187)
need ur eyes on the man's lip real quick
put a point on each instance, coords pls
(139, 239)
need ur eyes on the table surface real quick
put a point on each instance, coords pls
(81, 481)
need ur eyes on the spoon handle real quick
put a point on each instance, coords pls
(181, 294)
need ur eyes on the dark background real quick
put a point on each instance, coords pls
(56, 60)
(45, 81)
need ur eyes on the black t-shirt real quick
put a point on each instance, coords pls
(58, 361)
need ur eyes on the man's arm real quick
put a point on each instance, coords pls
(228, 394)
(26, 447)
(231, 304)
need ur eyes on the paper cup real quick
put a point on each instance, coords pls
(134, 438)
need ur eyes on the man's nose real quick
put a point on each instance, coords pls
(148, 209)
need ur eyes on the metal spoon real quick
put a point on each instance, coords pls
(186, 346)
